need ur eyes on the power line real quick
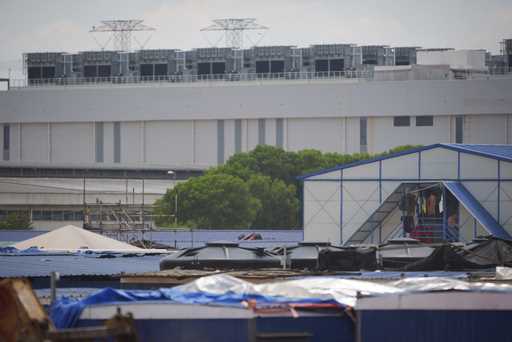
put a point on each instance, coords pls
(121, 32)
(234, 28)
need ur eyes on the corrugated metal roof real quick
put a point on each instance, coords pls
(494, 151)
(71, 265)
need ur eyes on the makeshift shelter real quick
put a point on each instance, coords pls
(440, 192)
(72, 239)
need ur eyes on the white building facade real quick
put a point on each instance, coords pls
(198, 125)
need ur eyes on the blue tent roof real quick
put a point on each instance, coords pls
(503, 152)
(498, 152)
(477, 210)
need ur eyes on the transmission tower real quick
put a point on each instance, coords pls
(234, 29)
(121, 32)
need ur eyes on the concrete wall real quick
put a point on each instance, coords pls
(195, 143)
(254, 100)
(178, 126)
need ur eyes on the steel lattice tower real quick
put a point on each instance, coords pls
(121, 31)
(234, 29)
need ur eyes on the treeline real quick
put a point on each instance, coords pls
(257, 189)
(16, 220)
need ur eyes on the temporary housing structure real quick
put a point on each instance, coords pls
(435, 193)
(71, 238)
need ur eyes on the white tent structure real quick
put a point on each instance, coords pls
(360, 202)
(72, 239)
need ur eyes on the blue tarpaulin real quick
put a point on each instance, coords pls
(66, 312)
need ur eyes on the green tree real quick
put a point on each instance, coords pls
(212, 200)
(279, 203)
(16, 220)
(257, 188)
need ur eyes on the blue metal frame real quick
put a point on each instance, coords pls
(458, 165)
(380, 198)
(419, 165)
(475, 209)
(499, 191)
(445, 214)
(454, 147)
(408, 180)
(303, 201)
(341, 207)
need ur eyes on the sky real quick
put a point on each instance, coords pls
(63, 25)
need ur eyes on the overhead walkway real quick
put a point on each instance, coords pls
(477, 210)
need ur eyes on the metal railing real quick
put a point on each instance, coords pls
(232, 77)
(356, 75)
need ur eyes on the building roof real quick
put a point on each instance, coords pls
(503, 152)
(498, 152)
(74, 265)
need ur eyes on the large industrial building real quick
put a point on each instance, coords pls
(185, 111)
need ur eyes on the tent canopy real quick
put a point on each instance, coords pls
(71, 238)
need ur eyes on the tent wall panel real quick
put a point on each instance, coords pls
(336, 174)
(505, 170)
(506, 205)
(476, 167)
(468, 227)
(439, 163)
(322, 211)
(388, 188)
(401, 167)
(486, 193)
(366, 171)
(389, 226)
(360, 199)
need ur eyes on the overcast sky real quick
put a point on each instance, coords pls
(63, 25)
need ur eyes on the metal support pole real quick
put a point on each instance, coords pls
(83, 194)
(445, 214)
(142, 206)
(54, 278)
(84, 205)
(176, 209)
